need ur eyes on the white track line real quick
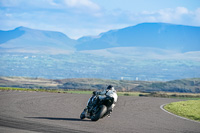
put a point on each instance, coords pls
(177, 115)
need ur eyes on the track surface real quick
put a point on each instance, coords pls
(28, 112)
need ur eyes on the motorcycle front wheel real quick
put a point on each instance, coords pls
(82, 116)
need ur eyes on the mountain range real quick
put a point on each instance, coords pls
(153, 35)
(147, 51)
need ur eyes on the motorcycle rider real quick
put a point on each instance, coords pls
(110, 92)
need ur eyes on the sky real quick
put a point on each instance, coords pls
(78, 18)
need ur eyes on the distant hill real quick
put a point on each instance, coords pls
(28, 40)
(158, 35)
(183, 85)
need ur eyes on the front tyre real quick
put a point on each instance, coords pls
(82, 116)
(100, 113)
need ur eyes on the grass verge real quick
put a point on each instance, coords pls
(68, 91)
(188, 96)
(189, 109)
(25, 89)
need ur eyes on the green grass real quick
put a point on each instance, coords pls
(48, 90)
(129, 93)
(189, 109)
(68, 91)
(26, 89)
(79, 92)
(187, 96)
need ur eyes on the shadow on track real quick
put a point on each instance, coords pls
(53, 118)
(26, 125)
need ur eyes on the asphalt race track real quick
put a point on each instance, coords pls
(30, 112)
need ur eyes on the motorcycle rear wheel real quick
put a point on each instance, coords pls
(100, 113)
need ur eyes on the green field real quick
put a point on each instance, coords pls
(189, 109)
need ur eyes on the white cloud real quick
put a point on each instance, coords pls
(9, 3)
(179, 15)
(78, 4)
(197, 16)
(8, 15)
(171, 15)
(27, 4)
(82, 3)
(181, 10)
(79, 7)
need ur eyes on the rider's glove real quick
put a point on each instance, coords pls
(96, 93)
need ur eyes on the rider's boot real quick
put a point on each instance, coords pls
(109, 113)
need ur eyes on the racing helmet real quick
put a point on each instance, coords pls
(110, 87)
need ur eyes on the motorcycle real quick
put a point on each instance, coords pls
(96, 108)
